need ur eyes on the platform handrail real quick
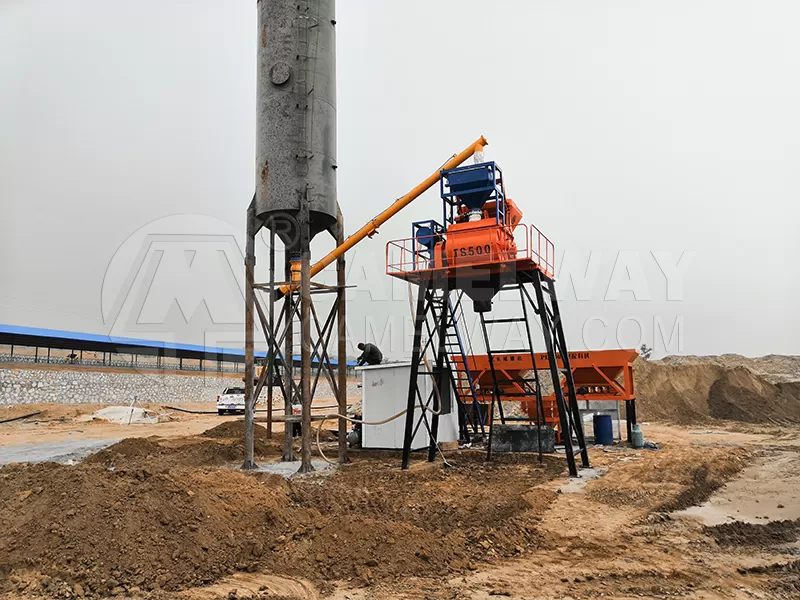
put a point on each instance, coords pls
(542, 251)
(415, 256)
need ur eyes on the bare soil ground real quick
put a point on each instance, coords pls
(59, 422)
(167, 515)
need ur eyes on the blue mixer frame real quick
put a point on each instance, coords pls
(473, 186)
(425, 229)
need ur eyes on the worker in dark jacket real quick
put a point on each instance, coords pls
(370, 354)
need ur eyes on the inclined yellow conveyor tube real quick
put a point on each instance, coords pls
(371, 228)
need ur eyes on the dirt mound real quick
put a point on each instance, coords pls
(128, 448)
(784, 578)
(774, 368)
(685, 477)
(691, 390)
(705, 480)
(755, 534)
(161, 524)
(186, 452)
(110, 531)
(740, 395)
(380, 523)
(214, 453)
(220, 446)
(234, 429)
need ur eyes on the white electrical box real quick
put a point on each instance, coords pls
(384, 393)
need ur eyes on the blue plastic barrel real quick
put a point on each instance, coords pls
(603, 430)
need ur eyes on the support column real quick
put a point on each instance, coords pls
(577, 419)
(342, 342)
(249, 353)
(563, 409)
(495, 389)
(272, 347)
(439, 377)
(305, 338)
(630, 418)
(288, 367)
(523, 298)
(413, 382)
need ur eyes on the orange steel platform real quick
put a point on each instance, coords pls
(531, 250)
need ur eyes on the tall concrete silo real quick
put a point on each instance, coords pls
(296, 116)
(295, 199)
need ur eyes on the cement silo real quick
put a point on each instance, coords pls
(296, 116)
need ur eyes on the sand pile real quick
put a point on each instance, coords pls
(774, 368)
(691, 389)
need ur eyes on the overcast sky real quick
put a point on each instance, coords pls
(631, 133)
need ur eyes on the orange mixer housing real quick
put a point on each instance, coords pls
(481, 241)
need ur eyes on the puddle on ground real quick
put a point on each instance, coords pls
(765, 491)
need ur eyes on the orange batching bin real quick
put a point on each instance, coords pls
(599, 375)
(511, 370)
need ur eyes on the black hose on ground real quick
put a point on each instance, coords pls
(191, 412)
(214, 412)
(22, 417)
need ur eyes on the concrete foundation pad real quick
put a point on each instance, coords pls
(289, 469)
(576, 485)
